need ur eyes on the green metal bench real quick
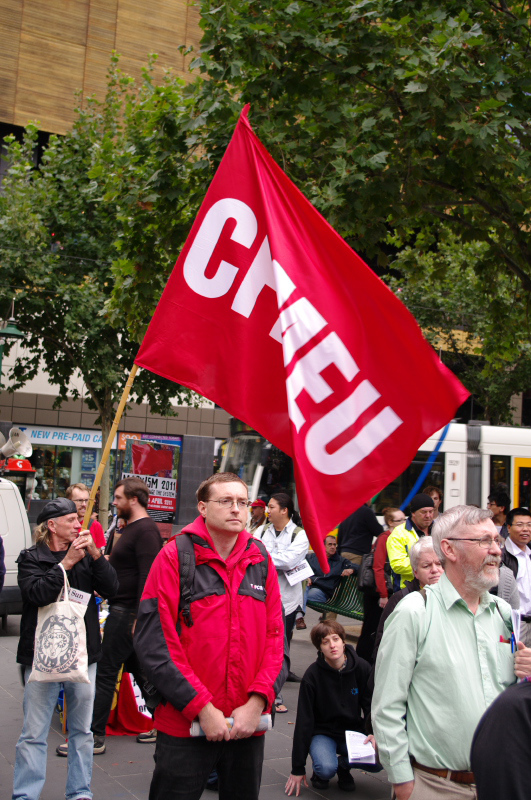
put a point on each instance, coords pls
(347, 599)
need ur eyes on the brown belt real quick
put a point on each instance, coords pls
(457, 777)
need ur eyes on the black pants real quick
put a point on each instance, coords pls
(371, 618)
(182, 767)
(117, 649)
(289, 624)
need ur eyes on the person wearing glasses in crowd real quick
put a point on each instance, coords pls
(79, 494)
(445, 655)
(219, 655)
(517, 556)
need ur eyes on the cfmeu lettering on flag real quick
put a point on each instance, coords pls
(298, 323)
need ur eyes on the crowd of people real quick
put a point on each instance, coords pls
(205, 623)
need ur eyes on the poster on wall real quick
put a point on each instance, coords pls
(156, 463)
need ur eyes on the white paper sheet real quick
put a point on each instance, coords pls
(299, 573)
(359, 753)
(516, 624)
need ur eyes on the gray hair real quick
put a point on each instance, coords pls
(453, 522)
(418, 549)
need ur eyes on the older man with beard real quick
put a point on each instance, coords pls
(445, 656)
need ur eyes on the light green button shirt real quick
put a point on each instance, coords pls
(438, 668)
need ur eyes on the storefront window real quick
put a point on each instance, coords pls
(53, 468)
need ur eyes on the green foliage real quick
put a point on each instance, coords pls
(479, 326)
(388, 115)
(62, 224)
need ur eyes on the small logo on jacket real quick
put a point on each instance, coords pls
(257, 586)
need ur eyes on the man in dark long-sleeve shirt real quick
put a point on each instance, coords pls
(355, 534)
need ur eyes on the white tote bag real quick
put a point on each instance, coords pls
(60, 653)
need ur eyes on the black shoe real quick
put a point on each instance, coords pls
(317, 783)
(345, 780)
(99, 745)
(147, 738)
(292, 678)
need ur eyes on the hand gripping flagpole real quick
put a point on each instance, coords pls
(108, 445)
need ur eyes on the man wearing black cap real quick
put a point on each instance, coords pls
(399, 543)
(58, 540)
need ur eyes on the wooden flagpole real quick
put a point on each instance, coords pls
(108, 444)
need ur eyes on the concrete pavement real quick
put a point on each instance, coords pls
(124, 771)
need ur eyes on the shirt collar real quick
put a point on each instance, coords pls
(513, 548)
(450, 596)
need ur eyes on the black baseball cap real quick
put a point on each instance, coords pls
(59, 507)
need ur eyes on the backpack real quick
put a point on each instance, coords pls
(185, 548)
(366, 579)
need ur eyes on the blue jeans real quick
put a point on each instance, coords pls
(313, 593)
(40, 700)
(327, 754)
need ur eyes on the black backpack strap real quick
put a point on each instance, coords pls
(265, 563)
(185, 550)
(297, 530)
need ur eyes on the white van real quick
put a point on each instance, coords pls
(16, 534)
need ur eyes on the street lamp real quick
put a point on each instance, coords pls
(9, 331)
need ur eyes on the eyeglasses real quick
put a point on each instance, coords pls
(228, 502)
(521, 525)
(81, 502)
(485, 542)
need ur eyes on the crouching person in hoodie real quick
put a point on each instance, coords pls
(333, 698)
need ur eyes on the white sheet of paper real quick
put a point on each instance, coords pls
(359, 753)
(299, 573)
(516, 624)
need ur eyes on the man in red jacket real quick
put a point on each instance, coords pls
(220, 660)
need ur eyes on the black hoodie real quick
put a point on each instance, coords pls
(331, 702)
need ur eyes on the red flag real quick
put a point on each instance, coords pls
(148, 461)
(350, 388)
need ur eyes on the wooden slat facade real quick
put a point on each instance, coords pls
(51, 49)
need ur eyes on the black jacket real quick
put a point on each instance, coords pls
(328, 583)
(330, 703)
(511, 561)
(41, 579)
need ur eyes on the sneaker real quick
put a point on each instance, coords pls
(99, 745)
(300, 624)
(147, 738)
(62, 750)
(345, 781)
(318, 783)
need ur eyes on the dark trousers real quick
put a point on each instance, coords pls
(117, 649)
(182, 767)
(371, 619)
(289, 624)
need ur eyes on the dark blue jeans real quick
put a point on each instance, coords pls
(183, 766)
(328, 753)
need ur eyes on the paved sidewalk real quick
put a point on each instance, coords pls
(124, 771)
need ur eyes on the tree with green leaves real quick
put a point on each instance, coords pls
(478, 324)
(403, 122)
(60, 232)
